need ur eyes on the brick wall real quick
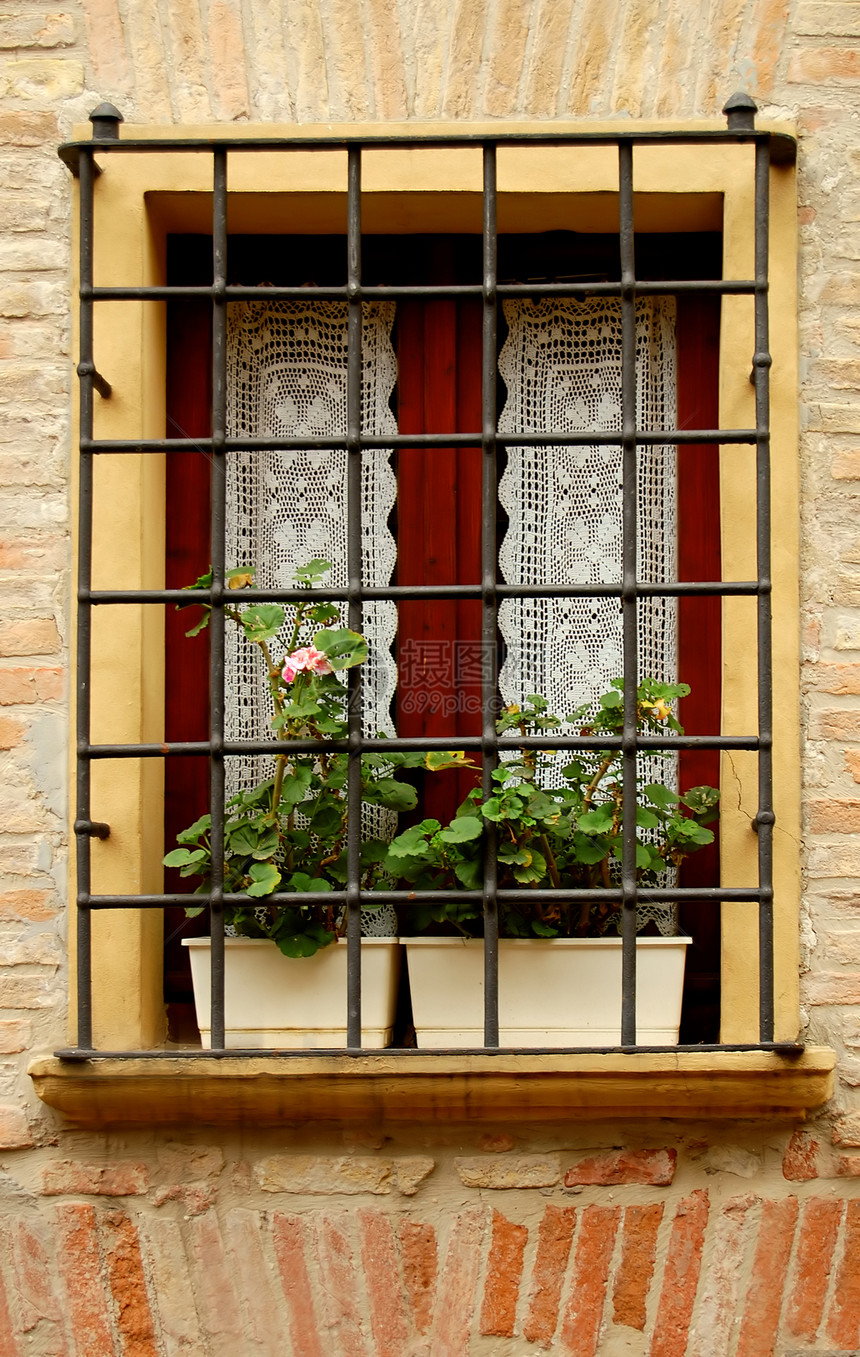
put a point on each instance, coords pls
(671, 1240)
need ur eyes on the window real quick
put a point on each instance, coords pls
(539, 186)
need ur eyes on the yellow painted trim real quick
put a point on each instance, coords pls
(152, 193)
(267, 1091)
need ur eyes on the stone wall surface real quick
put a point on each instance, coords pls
(679, 1239)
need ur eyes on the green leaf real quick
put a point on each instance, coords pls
(306, 943)
(387, 791)
(543, 930)
(185, 857)
(701, 799)
(201, 625)
(312, 571)
(262, 621)
(192, 911)
(301, 881)
(436, 760)
(243, 839)
(462, 829)
(470, 873)
(195, 831)
(597, 821)
(645, 818)
(587, 850)
(660, 796)
(265, 878)
(343, 647)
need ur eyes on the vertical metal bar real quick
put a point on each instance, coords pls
(489, 602)
(217, 548)
(84, 639)
(354, 582)
(628, 595)
(765, 817)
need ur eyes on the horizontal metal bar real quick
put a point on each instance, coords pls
(189, 748)
(644, 438)
(75, 1054)
(397, 292)
(455, 137)
(671, 589)
(608, 894)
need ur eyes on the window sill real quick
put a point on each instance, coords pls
(271, 1090)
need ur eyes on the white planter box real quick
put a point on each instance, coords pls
(554, 992)
(295, 1003)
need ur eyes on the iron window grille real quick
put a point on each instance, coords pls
(80, 158)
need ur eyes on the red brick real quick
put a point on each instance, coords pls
(289, 1236)
(80, 1269)
(11, 731)
(655, 1167)
(8, 1342)
(848, 1166)
(833, 987)
(553, 1249)
(67, 1176)
(580, 1327)
(31, 991)
(819, 1228)
(27, 904)
(29, 636)
(215, 1293)
(834, 817)
(680, 1276)
(453, 1319)
(418, 1252)
(770, 1267)
(128, 1286)
(35, 1274)
(799, 1159)
(263, 1320)
(28, 129)
(14, 1129)
(821, 65)
(381, 1268)
(638, 1250)
(19, 687)
(15, 1035)
(504, 1272)
(340, 1286)
(717, 1305)
(843, 1322)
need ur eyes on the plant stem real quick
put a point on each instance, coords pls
(552, 866)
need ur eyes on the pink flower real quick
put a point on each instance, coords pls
(307, 658)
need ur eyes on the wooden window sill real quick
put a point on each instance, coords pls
(271, 1090)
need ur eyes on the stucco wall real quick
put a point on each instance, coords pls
(703, 1239)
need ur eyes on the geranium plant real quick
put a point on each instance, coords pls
(561, 836)
(287, 834)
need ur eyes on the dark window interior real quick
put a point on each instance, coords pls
(439, 385)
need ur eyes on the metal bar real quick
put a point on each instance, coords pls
(400, 292)
(489, 603)
(455, 137)
(751, 894)
(216, 624)
(83, 812)
(354, 612)
(598, 439)
(669, 588)
(189, 748)
(73, 1054)
(629, 604)
(765, 816)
